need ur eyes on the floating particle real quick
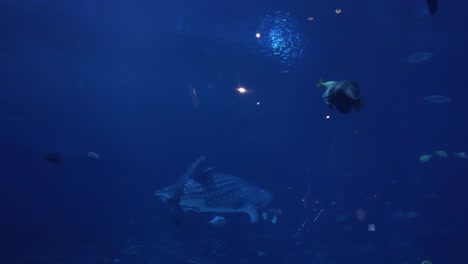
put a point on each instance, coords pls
(93, 155)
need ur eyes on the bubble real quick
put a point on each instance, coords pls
(282, 38)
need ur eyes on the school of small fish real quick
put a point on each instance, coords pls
(441, 154)
(274, 212)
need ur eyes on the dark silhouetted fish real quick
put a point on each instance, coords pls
(432, 4)
(55, 158)
(216, 193)
(342, 95)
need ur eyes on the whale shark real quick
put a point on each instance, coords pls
(213, 192)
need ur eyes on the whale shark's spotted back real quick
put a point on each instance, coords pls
(223, 193)
(217, 192)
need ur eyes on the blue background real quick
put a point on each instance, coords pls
(116, 77)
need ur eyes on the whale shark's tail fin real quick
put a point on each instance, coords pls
(432, 4)
(171, 194)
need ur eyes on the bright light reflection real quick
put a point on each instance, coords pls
(257, 35)
(241, 90)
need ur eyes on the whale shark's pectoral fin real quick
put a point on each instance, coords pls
(250, 209)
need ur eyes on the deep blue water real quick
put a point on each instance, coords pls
(118, 78)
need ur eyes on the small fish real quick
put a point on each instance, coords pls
(54, 158)
(274, 220)
(264, 215)
(411, 214)
(441, 154)
(438, 99)
(418, 57)
(276, 211)
(273, 211)
(425, 158)
(461, 155)
(93, 155)
(326, 84)
(402, 214)
(217, 221)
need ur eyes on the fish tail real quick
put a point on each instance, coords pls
(359, 103)
(321, 83)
